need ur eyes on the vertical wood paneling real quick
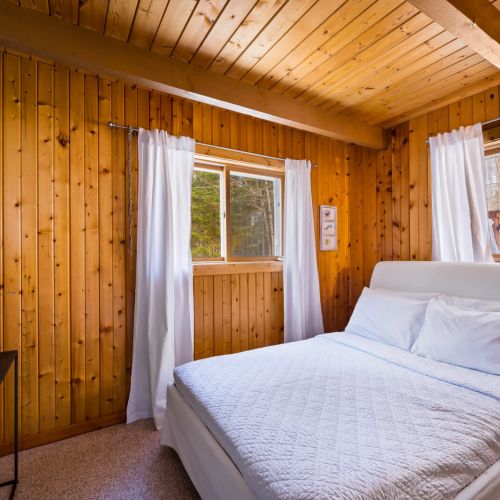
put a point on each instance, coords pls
(105, 251)
(2, 286)
(275, 326)
(356, 223)
(396, 193)
(166, 112)
(281, 310)
(235, 313)
(403, 158)
(243, 312)
(46, 367)
(11, 224)
(198, 121)
(92, 341)
(259, 299)
(154, 110)
(208, 316)
(62, 247)
(407, 221)
(67, 260)
(226, 314)
(206, 125)
(137, 115)
(69, 239)
(369, 213)
(268, 294)
(187, 118)
(176, 117)
(77, 246)
(119, 240)
(252, 312)
(218, 316)
(491, 105)
(29, 303)
(322, 197)
(198, 316)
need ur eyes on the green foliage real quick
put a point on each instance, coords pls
(252, 215)
(205, 215)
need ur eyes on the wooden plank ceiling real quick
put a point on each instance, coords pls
(379, 61)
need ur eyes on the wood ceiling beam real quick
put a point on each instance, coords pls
(38, 34)
(475, 22)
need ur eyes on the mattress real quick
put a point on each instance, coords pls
(216, 477)
(342, 416)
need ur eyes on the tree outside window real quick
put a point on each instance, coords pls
(252, 202)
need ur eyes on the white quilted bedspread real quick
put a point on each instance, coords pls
(343, 417)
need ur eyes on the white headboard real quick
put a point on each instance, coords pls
(476, 281)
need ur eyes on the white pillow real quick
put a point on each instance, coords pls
(477, 304)
(409, 295)
(387, 318)
(460, 336)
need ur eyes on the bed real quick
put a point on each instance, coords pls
(340, 416)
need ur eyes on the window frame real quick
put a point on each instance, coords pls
(225, 168)
(491, 149)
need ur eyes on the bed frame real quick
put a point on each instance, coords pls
(474, 281)
(211, 470)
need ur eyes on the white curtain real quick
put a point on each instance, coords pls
(163, 324)
(460, 226)
(303, 315)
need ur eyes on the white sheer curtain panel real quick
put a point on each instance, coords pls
(163, 324)
(460, 225)
(303, 315)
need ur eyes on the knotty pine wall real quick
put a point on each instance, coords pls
(237, 307)
(67, 261)
(391, 188)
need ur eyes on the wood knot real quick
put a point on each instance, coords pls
(63, 140)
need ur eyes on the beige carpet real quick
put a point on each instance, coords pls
(120, 462)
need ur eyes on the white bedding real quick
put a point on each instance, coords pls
(342, 416)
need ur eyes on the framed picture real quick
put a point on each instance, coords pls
(327, 228)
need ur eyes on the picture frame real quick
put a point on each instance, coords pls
(328, 228)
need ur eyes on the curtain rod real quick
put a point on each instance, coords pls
(134, 130)
(487, 122)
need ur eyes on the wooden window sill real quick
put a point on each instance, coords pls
(214, 268)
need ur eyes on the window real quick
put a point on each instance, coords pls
(206, 214)
(493, 193)
(236, 213)
(255, 215)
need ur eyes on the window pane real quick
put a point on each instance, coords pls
(206, 215)
(493, 193)
(493, 181)
(255, 215)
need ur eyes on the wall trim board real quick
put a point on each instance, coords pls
(42, 438)
(216, 268)
(73, 45)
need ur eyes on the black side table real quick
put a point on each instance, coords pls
(8, 358)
